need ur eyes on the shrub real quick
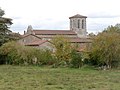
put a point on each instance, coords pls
(45, 57)
(62, 51)
(14, 53)
(76, 60)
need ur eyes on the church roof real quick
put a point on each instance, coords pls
(36, 43)
(78, 16)
(26, 35)
(79, 40)
(71, 40)
(53, 32)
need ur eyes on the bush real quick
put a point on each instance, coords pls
(45, 57)
(76, 60)
(106, 48)
(14, 53)
(2, 59)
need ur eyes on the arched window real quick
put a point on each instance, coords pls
(74, 23)
(70, 24)
(82, 24)
(78, 23)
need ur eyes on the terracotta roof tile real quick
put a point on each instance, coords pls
(54, 32)
(79, 40)
(26, 35)
(78, 16)
(36, 43)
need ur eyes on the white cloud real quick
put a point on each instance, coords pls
(54, 14)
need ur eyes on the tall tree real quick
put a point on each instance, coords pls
(4, 27)
(106, 47)
(1, 12)
(62, 49)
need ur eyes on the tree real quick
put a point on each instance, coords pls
(106, 48)
(4, 27)
(62, 49)
(113, 29)
(76, 60)
(1, 12)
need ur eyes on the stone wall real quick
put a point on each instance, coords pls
(28, 39)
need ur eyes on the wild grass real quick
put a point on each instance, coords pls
(44, 78)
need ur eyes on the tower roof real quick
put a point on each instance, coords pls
(78, 16)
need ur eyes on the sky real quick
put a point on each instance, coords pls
(54, 14)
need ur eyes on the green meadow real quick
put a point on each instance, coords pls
(47, 78)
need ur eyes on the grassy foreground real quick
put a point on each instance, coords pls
(43, 78)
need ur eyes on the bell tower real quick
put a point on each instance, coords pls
(29, 30)
(78, 25)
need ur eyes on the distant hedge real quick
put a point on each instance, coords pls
(14, 53)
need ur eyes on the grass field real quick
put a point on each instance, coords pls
(44, 78)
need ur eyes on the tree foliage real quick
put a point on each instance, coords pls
(4, 28)
(76, 60)
(64, 55)
(106, 48)
(14, 53)
(1, 12)
(62, 49)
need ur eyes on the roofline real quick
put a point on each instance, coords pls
(78, 16)
(73, 33)
(55, 34)
(30, 34)
(38, 44)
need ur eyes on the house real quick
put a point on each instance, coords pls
(76, 35)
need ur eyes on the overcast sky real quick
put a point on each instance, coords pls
(54, 14)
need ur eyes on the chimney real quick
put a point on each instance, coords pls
(24, 32)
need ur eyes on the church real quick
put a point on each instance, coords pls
(76, 35)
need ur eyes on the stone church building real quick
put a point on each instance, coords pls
(76, 35)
